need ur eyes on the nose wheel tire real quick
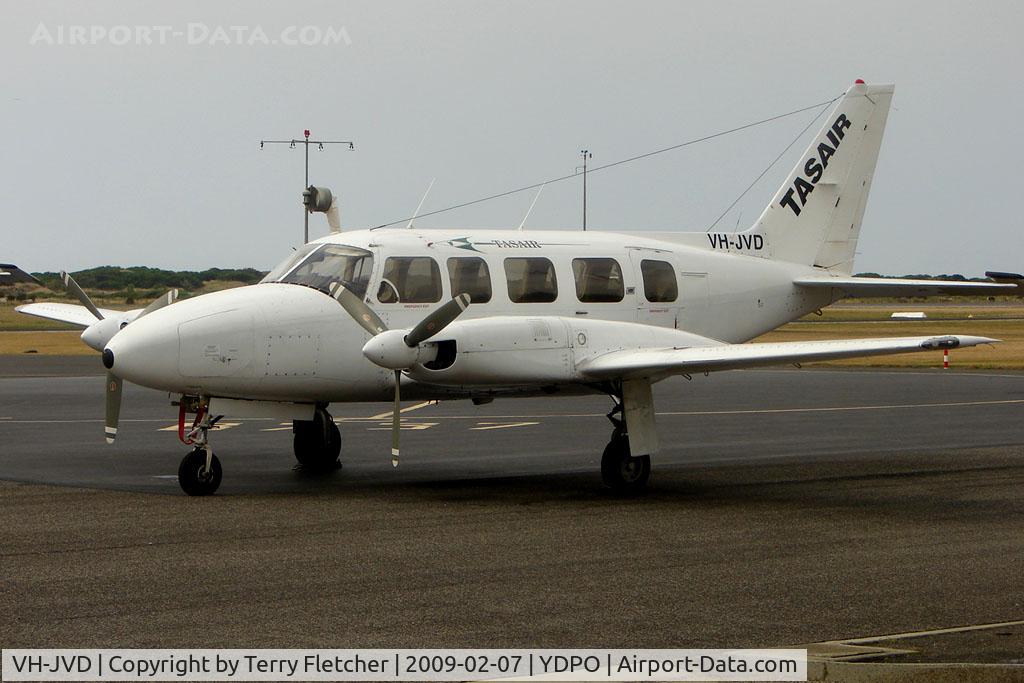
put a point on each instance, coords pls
(194, 477)
(620, 471)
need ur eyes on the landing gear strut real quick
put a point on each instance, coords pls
(200, 472)
(620, 471)
(317, 443)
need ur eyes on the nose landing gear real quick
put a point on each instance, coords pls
(200, 472)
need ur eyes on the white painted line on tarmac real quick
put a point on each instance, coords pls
(484, 426)
(764, 411)
(933, 632)
(165, 476)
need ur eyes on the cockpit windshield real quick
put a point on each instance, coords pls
(321, 265)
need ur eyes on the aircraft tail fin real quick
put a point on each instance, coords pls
(815, 216)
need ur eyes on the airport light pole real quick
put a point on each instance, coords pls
(306, 142)
(586, 155)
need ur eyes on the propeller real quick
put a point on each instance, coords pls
(397, 349)
(100, 333)
(72, 286)
(114, 383)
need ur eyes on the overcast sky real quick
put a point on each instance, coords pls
(148, 154)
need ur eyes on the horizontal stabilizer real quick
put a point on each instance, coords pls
(884, 286)
(659, 363)
(11, 274)
(1007, 278)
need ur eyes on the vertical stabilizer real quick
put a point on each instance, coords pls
(815, 216)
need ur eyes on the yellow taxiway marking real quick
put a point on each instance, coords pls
(283, 426)
(404, 426)
(484, 426)
(220, 426)
(856, 649)
(391, 412)
(764, 411)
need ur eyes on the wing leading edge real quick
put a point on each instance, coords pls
(665, 362)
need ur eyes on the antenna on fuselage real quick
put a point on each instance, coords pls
(532, 204)
(416, 213)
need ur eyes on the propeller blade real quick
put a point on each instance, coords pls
(72, 286)
(165, 300)
(396, 420)
(358, 309)
(437, 321)
(114, 385)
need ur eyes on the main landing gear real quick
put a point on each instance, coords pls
(621, 471)
(317, 442)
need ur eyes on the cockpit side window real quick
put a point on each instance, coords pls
(469, 275)
(326, 265)
(410, 280)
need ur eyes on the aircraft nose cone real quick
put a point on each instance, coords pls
(146, 352)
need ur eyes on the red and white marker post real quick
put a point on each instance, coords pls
(945, 359)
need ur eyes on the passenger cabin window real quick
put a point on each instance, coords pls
(410, 280)
(531, 280)
(659, 281)
(598, 280)
(322, 266)
(469, 275)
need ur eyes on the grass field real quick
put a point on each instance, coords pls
(25, 334)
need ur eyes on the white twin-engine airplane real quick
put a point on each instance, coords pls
(479, 314)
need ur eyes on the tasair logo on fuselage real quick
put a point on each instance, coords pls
(469, 245)
(814, 167)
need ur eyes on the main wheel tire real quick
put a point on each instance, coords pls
(620, 471)
(317, 446)
(194, 478)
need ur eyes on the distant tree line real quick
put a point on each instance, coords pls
(113, 278)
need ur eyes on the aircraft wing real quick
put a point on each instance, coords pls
(69, 313)
(660, 363)
(884, 286)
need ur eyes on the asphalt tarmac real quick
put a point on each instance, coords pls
(786, 507)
